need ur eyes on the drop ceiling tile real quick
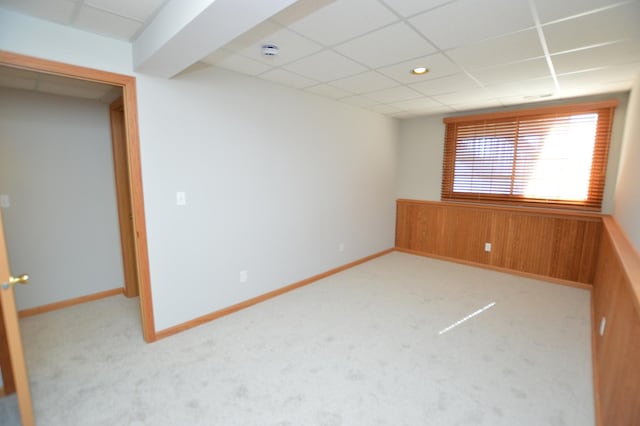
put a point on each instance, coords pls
(618, 23)
(73, 82)
(396, 94)
(329, 91)
(106, 23)
(520, 100)
(524, 70)
(253, 36)
(16, 82)
(384, 109)
(366, 82)
(418, 105)
(497, 51)
(438, 64)
(526, 88)
(236, 62)
(113, 94)
(287, 78)
(342, 20)
(624, 74)
(441, 109)
(408, 8)
(597, 57)
(60, 11)
(325, 66)
(359, 100)
(74, 88)
(299, 10)
(464, 96)
(552, 10)
(217, 56)
(576, 91)
(450, 84)
(404, 115)
(467, 21)
(18, 73)
(140, 10)
(476, 105)
(291, 47)
(390, 45)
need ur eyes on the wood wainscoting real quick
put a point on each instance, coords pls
(560, 246)
(588, 250)
(616, 297)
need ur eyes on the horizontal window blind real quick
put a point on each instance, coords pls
(549, 156)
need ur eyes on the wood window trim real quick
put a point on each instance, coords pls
(596, 185)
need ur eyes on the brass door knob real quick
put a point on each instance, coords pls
(20, 279)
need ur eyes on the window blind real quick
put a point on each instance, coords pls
(553, 156)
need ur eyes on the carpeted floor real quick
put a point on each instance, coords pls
(379, 344)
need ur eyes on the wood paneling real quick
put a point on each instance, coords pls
(616, 297)
(553, 244)
(563, 247)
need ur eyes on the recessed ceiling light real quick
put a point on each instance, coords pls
(419, 70)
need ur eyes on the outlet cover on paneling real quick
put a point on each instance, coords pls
(603, 325)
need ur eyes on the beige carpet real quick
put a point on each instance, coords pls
(380, 344)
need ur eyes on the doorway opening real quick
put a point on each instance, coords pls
(129, 183)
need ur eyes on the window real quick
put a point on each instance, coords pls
(554, 157)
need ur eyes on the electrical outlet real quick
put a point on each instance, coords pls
(4, 201)
(487, 247)
(603, 324)
(341, 247)
(243, 276)
(181, 198)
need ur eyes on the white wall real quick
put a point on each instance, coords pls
(275, 180)
(421, 149)
(56, 166)
(35, 37)
(627, 196)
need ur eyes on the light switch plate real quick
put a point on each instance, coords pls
(181, 198)
(4, 201)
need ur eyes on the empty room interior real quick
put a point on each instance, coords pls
(320, 212)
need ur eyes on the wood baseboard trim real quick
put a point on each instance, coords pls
(499, 269)
(69, 302)
(258, 299)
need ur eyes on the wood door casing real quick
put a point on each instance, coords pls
(128, 84)
(123, 193)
